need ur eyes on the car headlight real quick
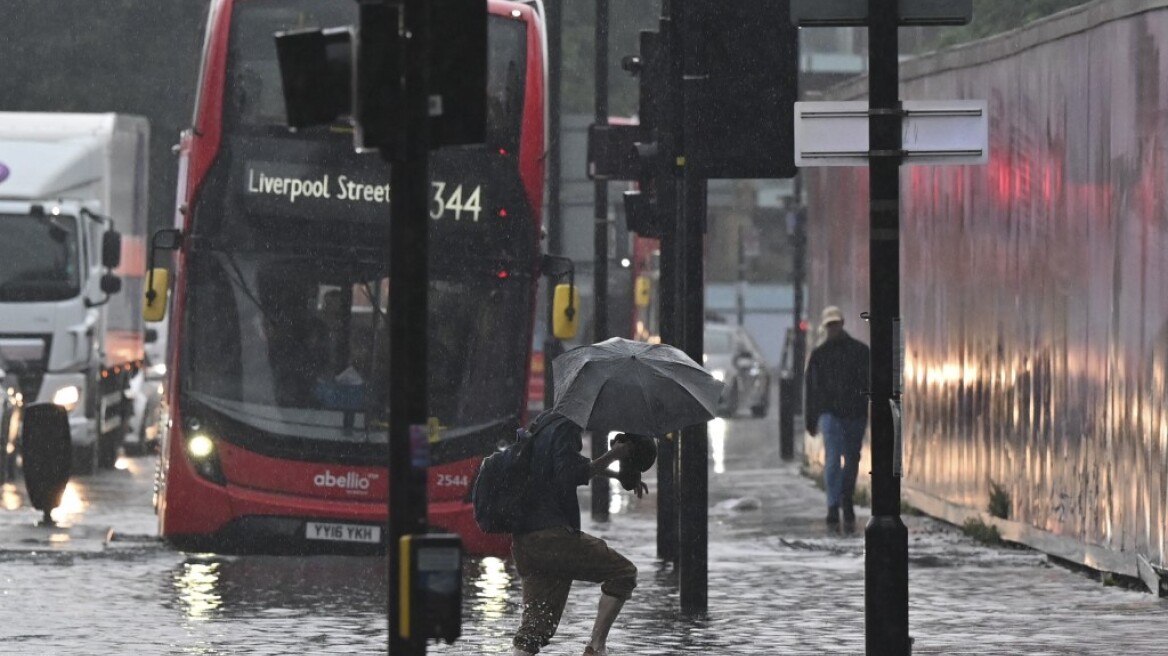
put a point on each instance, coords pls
(67, 397)
(718, 375)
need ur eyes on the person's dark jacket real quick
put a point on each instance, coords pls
(837, 379)
(557, 469)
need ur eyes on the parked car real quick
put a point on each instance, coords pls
(146, 393)
(733, 357)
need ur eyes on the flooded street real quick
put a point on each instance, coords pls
(778, 583)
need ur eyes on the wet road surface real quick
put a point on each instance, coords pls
(779, 583)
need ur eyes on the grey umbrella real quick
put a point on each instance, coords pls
(622, 385)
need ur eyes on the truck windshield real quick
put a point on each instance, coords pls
(38, 258)
(298, 346)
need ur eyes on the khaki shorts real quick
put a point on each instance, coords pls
(548, 561)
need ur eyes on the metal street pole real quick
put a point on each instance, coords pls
(798, 280)
(885, 537)
(408, 311)
(553, 220)
(740, 289)
(670, 302)
(600, 243)
(667, 446)
(693, 451)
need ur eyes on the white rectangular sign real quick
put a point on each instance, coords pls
(835, 133)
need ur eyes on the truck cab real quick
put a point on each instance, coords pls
(72, 221)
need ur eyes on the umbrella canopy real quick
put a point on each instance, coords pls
(622, 385)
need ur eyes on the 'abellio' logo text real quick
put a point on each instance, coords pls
(349, 481)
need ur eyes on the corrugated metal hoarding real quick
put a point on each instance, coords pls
(1035, 288)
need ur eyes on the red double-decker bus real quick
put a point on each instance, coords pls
(279, 359)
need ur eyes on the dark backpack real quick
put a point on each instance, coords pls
(501, 493)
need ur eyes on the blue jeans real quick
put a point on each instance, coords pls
(842, 438)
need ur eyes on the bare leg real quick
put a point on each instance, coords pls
(606, 613)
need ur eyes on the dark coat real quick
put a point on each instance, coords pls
(837, 381)
(557, 469)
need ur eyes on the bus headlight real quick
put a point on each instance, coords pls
(204, 457)
(67, 397)
(200, 447)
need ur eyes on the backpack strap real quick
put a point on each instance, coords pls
(545, 419)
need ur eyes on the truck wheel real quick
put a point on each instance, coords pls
(84, 460)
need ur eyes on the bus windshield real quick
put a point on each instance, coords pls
(38, 258)
(298, 346)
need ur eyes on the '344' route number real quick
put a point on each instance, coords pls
(455, 202)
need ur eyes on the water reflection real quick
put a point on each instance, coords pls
(196, 584)
(10, 498)
(716, 429)
(208, 586)
(489, 591)
(74, 502)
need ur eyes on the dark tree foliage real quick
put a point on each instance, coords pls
(996, 16)
(141, 57)
(128, 56)
(627, 18)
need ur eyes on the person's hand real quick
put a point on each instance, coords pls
(621, 449)
(641, 489)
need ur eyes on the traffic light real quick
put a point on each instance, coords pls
(315, 67)
(650, 209)
(642, 153)
(376, 107)
(354, 72)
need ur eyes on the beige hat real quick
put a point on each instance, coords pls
(831, 314)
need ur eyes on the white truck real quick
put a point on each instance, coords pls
(73, 205)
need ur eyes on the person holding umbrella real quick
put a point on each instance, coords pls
(639, 389)
(551, 551)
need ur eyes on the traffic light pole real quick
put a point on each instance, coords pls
(408, 310)
(693, 451)
(885, 537)
(671, 288)
(667, 446)
(553, 220)
(798, 281)
(667, 513)
(693, 448)
(600, 242)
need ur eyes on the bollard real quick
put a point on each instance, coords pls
(787, 418)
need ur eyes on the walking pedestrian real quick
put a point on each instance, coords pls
(549, 548)
(837, 406)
